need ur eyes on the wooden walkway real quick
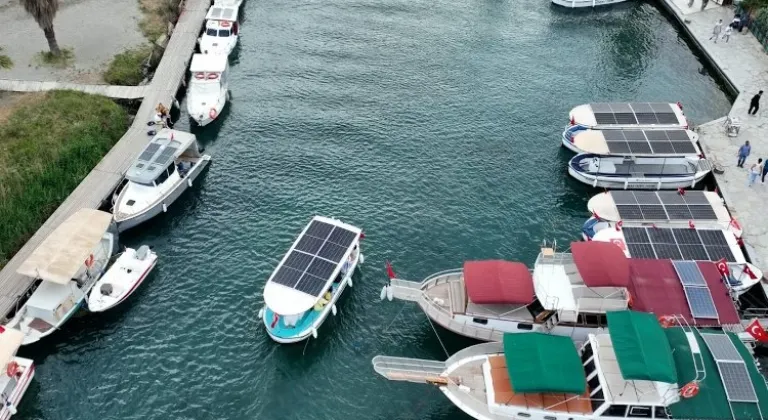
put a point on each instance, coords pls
(118, 92)
(103, 179)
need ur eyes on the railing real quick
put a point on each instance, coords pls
(446, 320)
(409, 369)
(476, 350)
(755, 313)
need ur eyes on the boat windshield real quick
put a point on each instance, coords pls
(210, 31)
(223, 33)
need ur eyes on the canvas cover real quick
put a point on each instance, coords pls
(539, 362)
(10, 340)
(601, 264)
(641, 347)
(498, 282)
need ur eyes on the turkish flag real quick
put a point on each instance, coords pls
(756, 330)
(275, 318)
(619, 224)
(691, 225)
(681, 191)
(749, 272)
(722, 267)
(390, 271)
(362, 235)
(2, 329)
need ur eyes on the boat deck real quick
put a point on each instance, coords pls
(673, 169)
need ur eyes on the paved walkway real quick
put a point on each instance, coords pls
(98, 184)
(745, 63)
(119, 92)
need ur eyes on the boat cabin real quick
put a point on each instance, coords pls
(221, 30)
(209, 71)
(634, 115)
(164, 156)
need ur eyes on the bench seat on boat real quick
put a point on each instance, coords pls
(653, 169)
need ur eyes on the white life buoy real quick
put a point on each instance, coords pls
(333, 310)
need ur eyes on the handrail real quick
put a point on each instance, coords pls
(476, 350)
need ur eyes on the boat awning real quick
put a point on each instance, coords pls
(163, 149)
(601, 264)
(63, 253)
(498, 282)
(641, 347)
(539, 362)
(208, 62)
(221, 12)
(10, 341)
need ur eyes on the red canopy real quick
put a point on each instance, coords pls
(601, 264)
(497, 281)
(656, 288)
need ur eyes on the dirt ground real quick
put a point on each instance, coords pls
(95, 29)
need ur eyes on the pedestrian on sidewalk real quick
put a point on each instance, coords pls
(690, 3)
(744, 152)
(754, 171)
(716, 30)
(704, 4)
(754, 103)
(727, 34)
(765, 172)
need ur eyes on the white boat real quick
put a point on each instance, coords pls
(636, 369)
(306, 285)
(670, 209)
(638, 143)
(642, 173)
(585, 3)
(207, 91)
(163, 171)
(567, 294)
(228, 3)
(691, 243)
(221, 30)
(633, 115)
(17, 373)
(67, 264)
(124, 276)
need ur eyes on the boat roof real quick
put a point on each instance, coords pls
(311, 264)
(538, 362)
(603, 265)
(498, 282)
(10, 341)
(164, 147)
(63, 253)
(641, 348)
(48, 296)
(629, 114)
(222, 12)
(637, 142)
(208, 63)
(659, 206)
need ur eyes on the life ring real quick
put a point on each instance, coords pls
(212, 113)
(213, 76)
(690, 390)
(89, 261)
(224, 24)
(630, 300)
(735, 224)
(199, 75)
(12, 369)
(667, 321)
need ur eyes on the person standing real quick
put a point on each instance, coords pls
(744, 151)
(704, 4)
(727, 33)
(765, 172)
(716, 30)
(755, 103)
(754, 171)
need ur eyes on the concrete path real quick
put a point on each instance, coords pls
(745, 63)
(119, 92)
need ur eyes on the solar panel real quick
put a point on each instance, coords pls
(319, 229)
(666, 243)
(310, 285)
(737, 382)
(165, 156)
(689, 273)
(700, 302)
(663, 205)
(634, 113)
(722, 347)
(150, 151)
(646, 141)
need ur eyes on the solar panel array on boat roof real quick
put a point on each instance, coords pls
(313, 260)
(663, 205)
(733, 371)
(641, 113)
(649, 141)
(696, 290)
(677, 244)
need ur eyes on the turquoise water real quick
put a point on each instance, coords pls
(434, 126)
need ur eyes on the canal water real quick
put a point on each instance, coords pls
(432, 125)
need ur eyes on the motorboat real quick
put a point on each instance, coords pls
(166, 167)
(228, 3)
(638, 173)
(638, 143)
(636, 369)
(65, 266)
(18, 372)
(567, 294)
(207, 90)
(309, 280)
(585, 3)
(667, 209)
(691, 243)
(633, 115)
(221, 30)
(124, 276)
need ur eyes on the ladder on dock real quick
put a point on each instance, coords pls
(410, 369)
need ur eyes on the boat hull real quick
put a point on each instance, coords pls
(21, 387)
(99, 303)
(638, 183)
(573, 4)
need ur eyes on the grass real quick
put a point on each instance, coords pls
(5, 61)
(126, 68)
(47, 146)
(46, 58)
(157, 14)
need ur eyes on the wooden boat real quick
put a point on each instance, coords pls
(638, 143)
(636, 369)
(208, 87)
(640, 173)
(633, 115)
(124, 276)
(17, 373)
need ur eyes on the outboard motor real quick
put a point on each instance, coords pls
(142, 253)
(106, 289)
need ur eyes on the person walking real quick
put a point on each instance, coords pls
(704, 4)
(755, 103)
(690, 3)
(727, 33)
(754, 171)
(744, 151)
(765, 172)
(716, 30)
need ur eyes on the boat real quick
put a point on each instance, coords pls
(639, 173)
(65, 266)
(163, 171)
(124, 276)
(228, 3)
(636, 369)
(221, 30)
(633, 115)
(566, 294)
(585, 3)
(18, 372)
(668, 209)
(690, 243)
(207, 91)
(309, 280)
(638, 143)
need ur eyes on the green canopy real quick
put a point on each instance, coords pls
(642, 349)
(539, 362)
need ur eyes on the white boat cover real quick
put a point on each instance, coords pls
(10, 341)
(212, 63)
(61, 255)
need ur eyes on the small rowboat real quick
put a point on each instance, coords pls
(125, 275)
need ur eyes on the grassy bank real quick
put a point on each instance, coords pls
(47, 146)
(127, 68)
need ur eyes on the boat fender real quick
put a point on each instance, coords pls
(12, 370)
(362, 258)
(165, 208)
(383, 294)
(261, 313)
(349, 281)
(189, 183)
(11, 408)
(142, 253)
(333, 310)
(212, 113)
(314, 333)
(690, 390)
(390, 293)
(151, 132)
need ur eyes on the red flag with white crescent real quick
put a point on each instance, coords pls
(362, 235)
(681, 191)
(275, 318)
(691, 225)
(619, 224)
(390, 271)
(756, 330)
(722, 267)
(2, 329)
(749, 272)
(594, 214)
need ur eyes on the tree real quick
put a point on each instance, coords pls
(44, 11)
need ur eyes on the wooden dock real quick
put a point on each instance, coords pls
(102, 180)
(117, 92)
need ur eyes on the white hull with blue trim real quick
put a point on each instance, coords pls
(629, 173)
